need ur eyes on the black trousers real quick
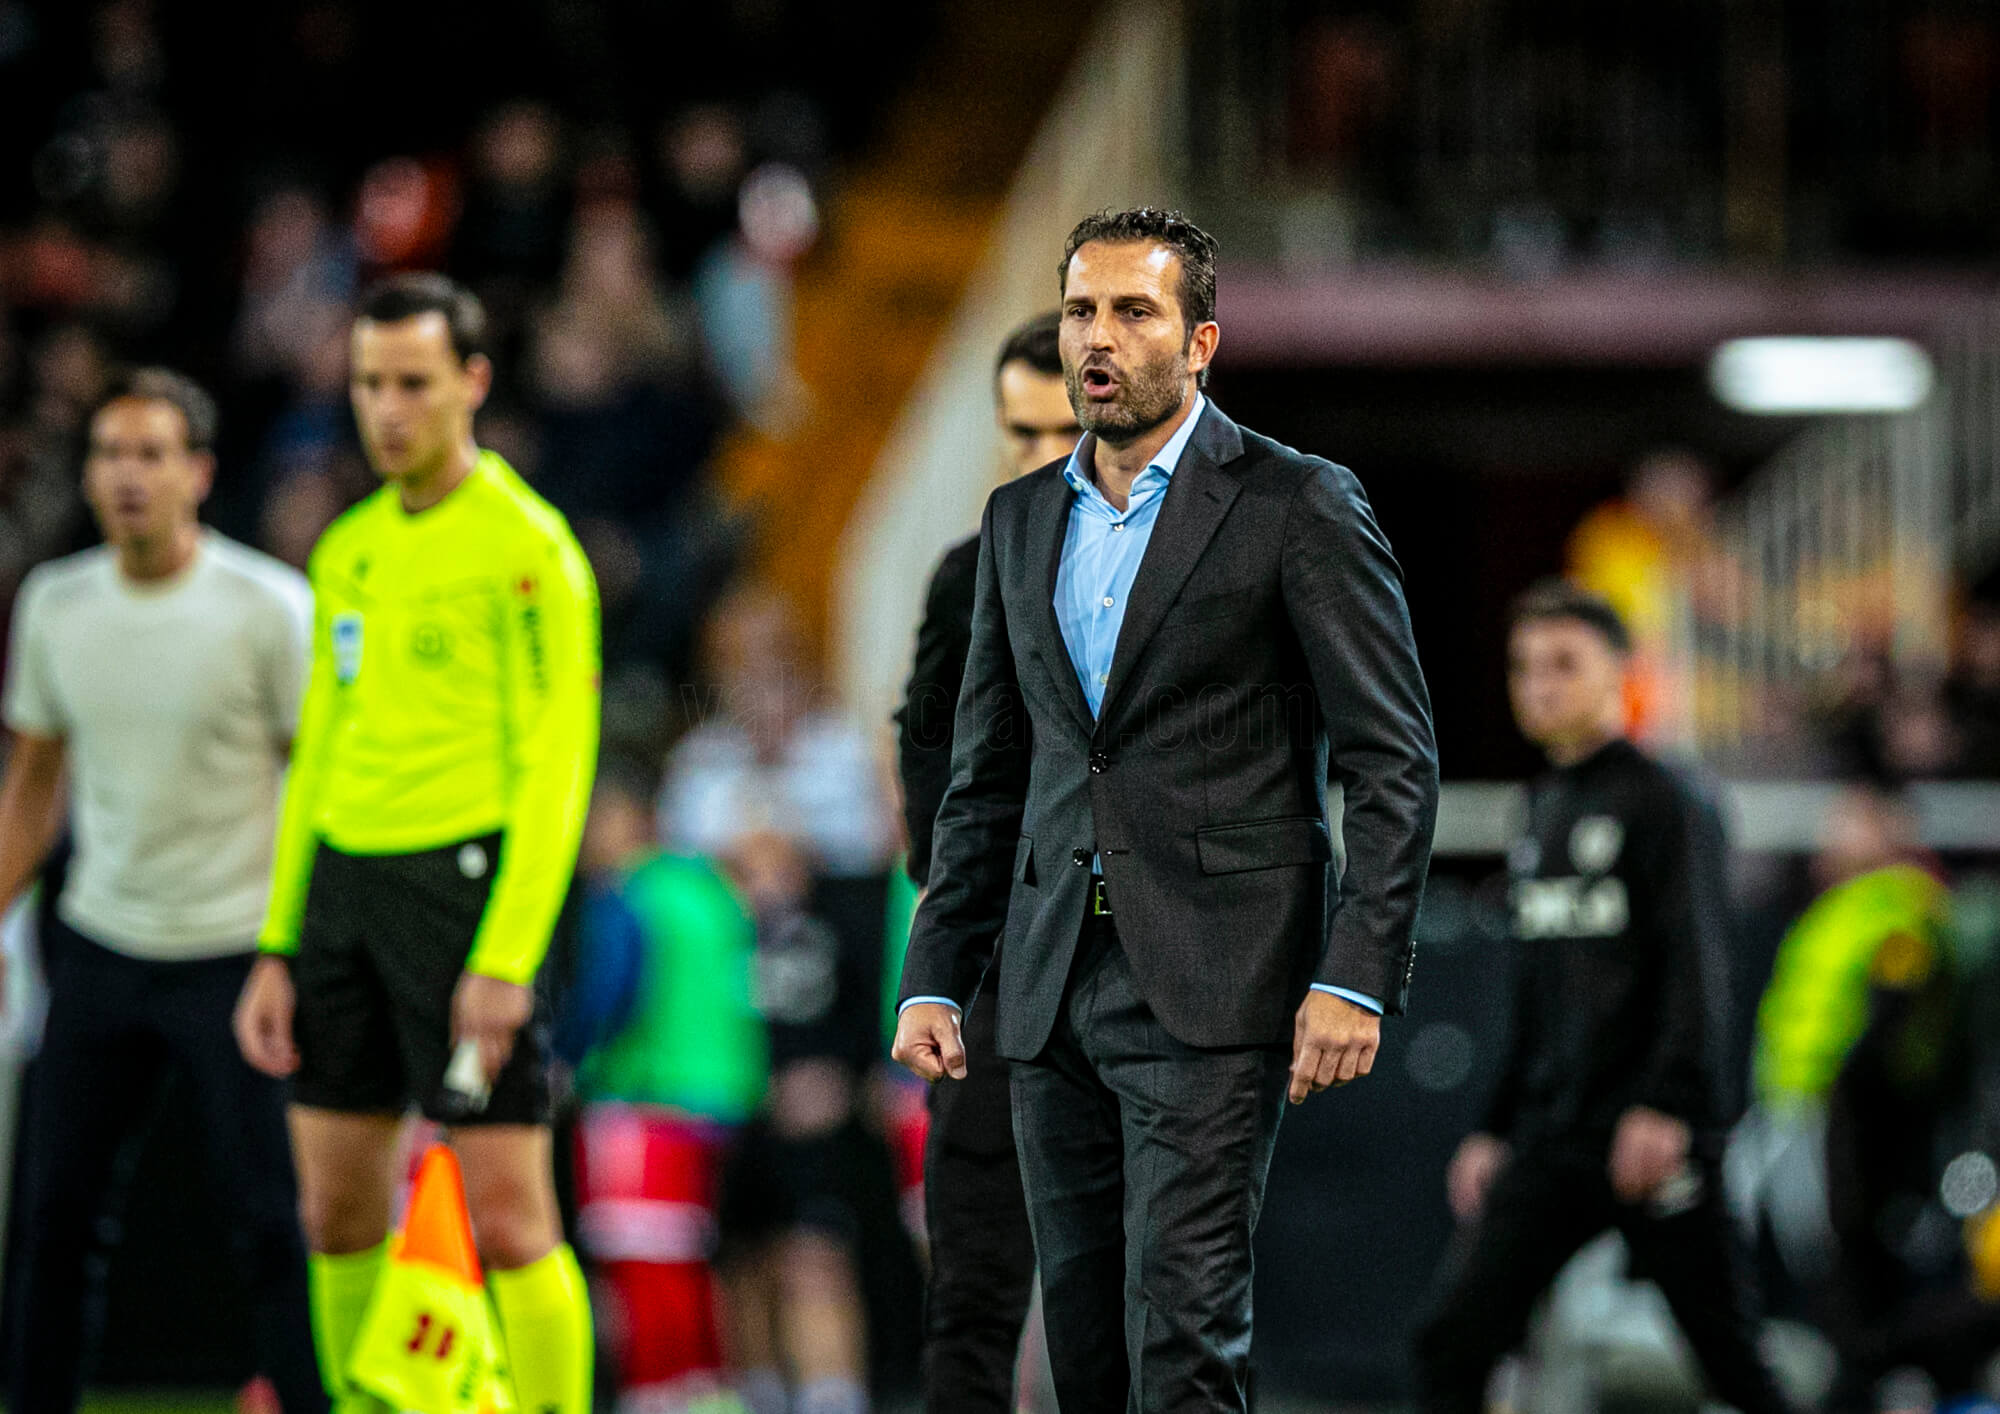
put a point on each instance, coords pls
(1548, 1202)
(116, 1027)
(982, 1253)
(1144, 1161)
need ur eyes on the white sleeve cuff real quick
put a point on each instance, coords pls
(908, 1002)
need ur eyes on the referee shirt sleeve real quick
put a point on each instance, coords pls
(292, 857)
(549, 643)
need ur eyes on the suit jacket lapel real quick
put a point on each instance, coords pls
(1048, 526)
(1198, 496)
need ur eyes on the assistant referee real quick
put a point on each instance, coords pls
(430, 829)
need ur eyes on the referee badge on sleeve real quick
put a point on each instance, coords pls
(346, 647)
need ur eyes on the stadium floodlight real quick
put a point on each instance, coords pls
(1798, 375)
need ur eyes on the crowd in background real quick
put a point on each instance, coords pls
(631, 220)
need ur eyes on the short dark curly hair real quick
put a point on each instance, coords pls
(1560, 599)
(1151, 224)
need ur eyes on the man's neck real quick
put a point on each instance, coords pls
(1115, 468)
(423, 490)
(1568, 753)
(160, 558)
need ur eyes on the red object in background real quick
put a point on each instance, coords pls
(646, 1186)
(405, 214)
(908, 1121)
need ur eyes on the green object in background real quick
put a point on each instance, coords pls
(900, 914)
(695, 1041)
(176, 1401)
(1889, 927)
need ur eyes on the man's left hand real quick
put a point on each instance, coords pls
(1333, 1041)
(1648, 1149)
(490, 1011)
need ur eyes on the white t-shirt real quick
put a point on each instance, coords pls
(176, 703)
(826, 791)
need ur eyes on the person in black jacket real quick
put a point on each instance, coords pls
(982, 1258)
(1612, 1108)
(1181, 638)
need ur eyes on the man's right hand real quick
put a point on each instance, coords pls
(1473, 1168)
(928, 1042)
(263, 1019)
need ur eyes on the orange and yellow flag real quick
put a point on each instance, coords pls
(428, 1343)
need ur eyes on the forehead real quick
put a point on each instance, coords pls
(1549, 636)
(139, 419)
(422, 339)
(1112, 268)
(1025, 391)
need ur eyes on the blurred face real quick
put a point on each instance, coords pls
(618, 826)
(139, 476)
(1566, 684)
(1035, 417)
(413, 397)
(1129, 361)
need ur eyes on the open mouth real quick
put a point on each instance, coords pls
(1099, 382)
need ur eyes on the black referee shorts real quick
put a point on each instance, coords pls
(384, 941)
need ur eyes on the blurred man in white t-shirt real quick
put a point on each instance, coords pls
(159, 675)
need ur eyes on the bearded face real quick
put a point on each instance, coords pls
(1126, 349)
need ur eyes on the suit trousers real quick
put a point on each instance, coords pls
(1549, 1201)
(1144, 1161)
(982, 1255)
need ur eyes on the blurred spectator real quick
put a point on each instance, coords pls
(743, 286)
(41, 504)
(626, 424)
(1650, 553)
(1880, 909)
(769, 755)
(1891, 727)
(825, 1293)
(1973, 691)
(510, 240)
(1876, 893)
(702, 156)
(404, 214)
(1907, 1165)
(299, 277)
(674, 1063)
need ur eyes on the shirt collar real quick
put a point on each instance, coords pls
(1164, 461)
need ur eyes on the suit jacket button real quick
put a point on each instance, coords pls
(1079, 857)
(1099, 763)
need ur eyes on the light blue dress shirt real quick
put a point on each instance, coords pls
(1102, 548)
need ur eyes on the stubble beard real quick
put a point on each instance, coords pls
(1151, 394)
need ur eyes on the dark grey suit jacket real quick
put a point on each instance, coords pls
(1265, 649)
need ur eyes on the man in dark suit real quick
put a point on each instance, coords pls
(982, 1257)
(1179, 635)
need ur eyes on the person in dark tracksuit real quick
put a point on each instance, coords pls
(1612, 1107)
(982, 1257)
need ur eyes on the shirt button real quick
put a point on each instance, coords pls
(1117, 525)
(1107, 601)
(1104, 677)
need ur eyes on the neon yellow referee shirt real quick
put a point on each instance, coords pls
(454, 692)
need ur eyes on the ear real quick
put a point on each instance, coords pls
(479, 374)
(1202, 345)
(203, 464)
